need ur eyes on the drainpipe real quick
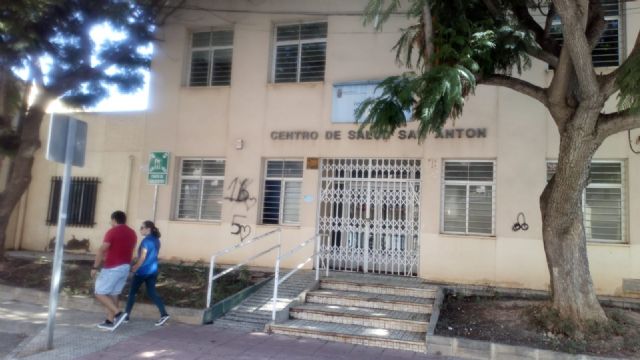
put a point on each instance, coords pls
(127, 192)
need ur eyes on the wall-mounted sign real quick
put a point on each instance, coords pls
(313, 163)
(158, 168)
(457, 133)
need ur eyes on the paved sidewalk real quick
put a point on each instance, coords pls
(187, 342)
(76, 333)
(77, 337)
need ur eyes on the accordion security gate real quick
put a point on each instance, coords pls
(369, 215)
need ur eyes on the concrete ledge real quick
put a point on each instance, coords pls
(85, 303)
(475, 349)
(492, 291)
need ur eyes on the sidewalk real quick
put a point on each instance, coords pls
(187, 342)
(77, 336)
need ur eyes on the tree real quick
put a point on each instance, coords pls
(51, 40)
(484, 43)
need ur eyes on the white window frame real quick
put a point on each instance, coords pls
(283, 181)
(211, 50)
(468, 184)
(299, 42)
(623, 202)
(202, 178)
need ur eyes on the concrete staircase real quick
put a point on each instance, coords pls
(383, 311)
(255, 312)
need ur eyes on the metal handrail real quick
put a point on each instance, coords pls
(277, 280)
(212, 263)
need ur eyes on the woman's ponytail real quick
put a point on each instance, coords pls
(154, 230)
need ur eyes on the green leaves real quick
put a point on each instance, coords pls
(628, 81)
(469, 40)
(433, 97)
(78, 71)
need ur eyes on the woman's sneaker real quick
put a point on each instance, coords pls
(162, 320)
(106, 325)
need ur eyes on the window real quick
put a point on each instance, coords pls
(608, 51)
(299, 53)
(200, 190)
(282, 191)
(468, 197)
(211, 54)
(602, 200)
(81, 210)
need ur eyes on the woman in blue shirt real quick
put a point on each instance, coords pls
(146, 270)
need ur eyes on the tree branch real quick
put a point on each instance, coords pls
(608, 82)
(549, 45)
(574, 21)
(613, 123)
(521, 86)
(427, 28)
(596, 23)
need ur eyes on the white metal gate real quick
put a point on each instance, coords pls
(370, 215)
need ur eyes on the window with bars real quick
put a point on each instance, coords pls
(81, 208)
(200, 190)
(468, 204)
(608, 51)
(282, 192)
(602, 201)
(300, 52)
(211, 55)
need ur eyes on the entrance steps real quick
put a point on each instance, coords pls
(364, 309)
(255, 312)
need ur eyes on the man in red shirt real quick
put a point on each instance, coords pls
(116, 251)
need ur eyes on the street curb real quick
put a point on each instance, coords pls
(475, 349)
(85, 303)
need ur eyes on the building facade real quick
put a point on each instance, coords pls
(254, 105)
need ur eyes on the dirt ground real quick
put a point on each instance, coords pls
(516, 322)
(182, 285)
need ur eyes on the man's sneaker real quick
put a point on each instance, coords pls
(162, 320)
(118, 319)
(106, 325)
(126, 320)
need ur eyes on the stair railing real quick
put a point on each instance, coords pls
(212, 263)
(277, 281)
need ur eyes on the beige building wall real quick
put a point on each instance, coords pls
(211, 121)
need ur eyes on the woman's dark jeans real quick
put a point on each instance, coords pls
(150, 283)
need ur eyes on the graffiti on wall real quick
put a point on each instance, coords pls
(239, 194)
(242, 230)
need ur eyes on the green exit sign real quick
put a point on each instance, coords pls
(158, 171)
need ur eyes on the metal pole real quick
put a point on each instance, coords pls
(318, 256)
(276, 279)
(155, 202)
(210, 287)
(56, 277)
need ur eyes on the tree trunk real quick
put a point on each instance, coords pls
(563, 233)
(20, 173)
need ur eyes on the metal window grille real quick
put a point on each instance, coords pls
(81, 211)
(608, 51)
(282, 192)
(468, 204)
(300, 52)
(603, 205)
(200, 189)
(211, 57)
